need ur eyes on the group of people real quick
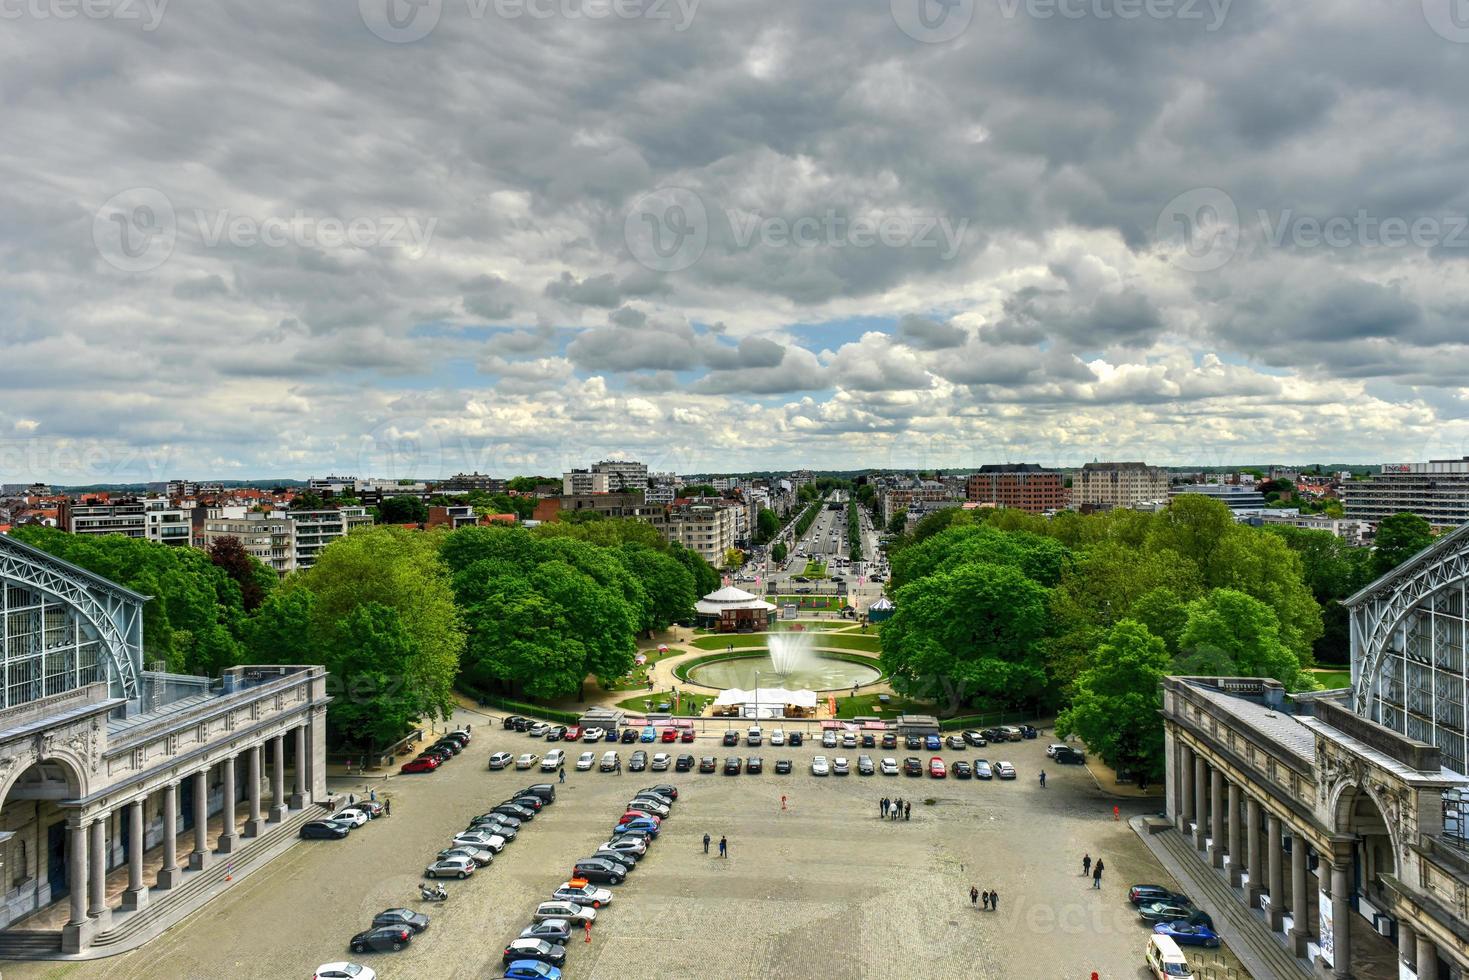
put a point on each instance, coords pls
(893, 809)
(991, 898)
(1093, 869)
(723, 846)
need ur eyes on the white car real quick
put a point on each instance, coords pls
(477, 838)
(648, 806)
(527, 760)
(344, 971)
(585, 761)
(554, 760)
(634, 844)
(840, 766)
(819, 766)
(1051, 749)
(352, 815)
(539, 729)
(1003, 770)
(889, 766)
(587, 894)
(661, 762)
(778, 737)
(570, 911)
(593, 735)
(500, 760)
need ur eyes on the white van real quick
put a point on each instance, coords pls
(554, 760)
(1165, 960)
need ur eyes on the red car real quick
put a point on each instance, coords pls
(670, 735)
(686, 735)
(632, 815)
(423, 764)
(573, 734)
(936, 768)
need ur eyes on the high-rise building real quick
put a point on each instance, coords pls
(166, 524)
(315, 529)
(99, 515)
(706, 526)
(271, 538)
(1103, 486)
(578, 482)
(1022, 486)
(623, 474)
(1437, 491)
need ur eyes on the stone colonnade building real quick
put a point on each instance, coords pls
(1342, 817)
(104, 764)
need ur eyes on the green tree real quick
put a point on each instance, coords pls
(402, 510)
(668, 584)
(280, 632)
(767, 526)
(968, 631)
(308, 500)
(1116, 702)
(255, 580)
(1399, 537)
(376, 667)
(1229, 633)
(898, 522)
(733, 558)
(778, 551)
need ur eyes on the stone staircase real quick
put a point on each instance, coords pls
(1244, 929)
(30, 944)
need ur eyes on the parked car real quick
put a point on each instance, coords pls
(351, 815)
(731, 737)
(511, 721)
(1003, 770)
(344, 971)
(499, 760)
(570, 911)
(937, 769)
(869, 741)
(912, 741)
(646, 823)
(1148, 894)
(626, 845)
(448, 745)
(629, 735)
(777, 737)
(421, 764)
(531, 970)
(1070, 757)
(976, 738)
(732, 765)
(829, 739)
(661, 762)
(527, 760)
(686, 735)
(454, 867)
(782, 767)
(611, 762)
(557, 931)
(522, 813)
(407, 918)
(583, 894)
(539, 729)
(1188, 934)
(593, 735)
(754, 766)
(585, 761)
(982, 769)
(864, 765)
(753, 736)
(961, 770)
(889, 766)
(795, 739)
(1029, 731)
(638, 762)
(819, 766)
(381, 939)
(668, 735)
(849, 740)
(912, 767)
(573, 733)
(480, 856)
(1165, 911)
(534, 949)
(1051, 749)
(956, 742)
(323, 830)
(932, 743)
(645, 805)
(650, 734)
(554, 760)
(600, 869)
(840, 766)
(708, 764)
(684, 763)
(1011, 733)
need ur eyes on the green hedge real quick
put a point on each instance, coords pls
(525, 708)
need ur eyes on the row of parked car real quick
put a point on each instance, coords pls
(431, 758)
(1174, 915)
(539, 952)
(342, 822)
(576, 733)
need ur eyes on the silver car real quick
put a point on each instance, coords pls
(452, 867)
(819, 766)
(889, 766)
(478, 855)
(840, 766)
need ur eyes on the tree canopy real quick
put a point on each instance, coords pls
(1399, 537)
(1115, 702)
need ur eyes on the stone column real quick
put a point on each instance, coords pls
(1201, 798)
(1427, 958)
(1300, 907)
(298, 787)
(169, 876)
(1186, 787)
(277, 779)
(1216, 818)
(1236, 846)
(136, 897)
(77, 934)
(199, 859)
(97, 850)
(1341, 916)
(229, 838)
(1275, 885)
(254, 826)
(1407, 943)
(1252, 846)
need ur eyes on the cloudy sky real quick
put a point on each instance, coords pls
(405, 237)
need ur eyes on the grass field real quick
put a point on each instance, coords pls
(637, 679)
(868, 642)
(867, 704)
(815, 569)
(1331, 679)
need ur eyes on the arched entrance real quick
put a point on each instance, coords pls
(33, 838)
(1358, 814)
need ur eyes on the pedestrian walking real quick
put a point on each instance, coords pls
(723, 847)
(706, 843)
(882, 806)
(782, 801)
(1086, 865)
(994, 901)
(372, 795)
(1116, 812)
(986, 900)
(1043, 779)
(907, 810)
(1097, 874)
(561, 774)
(973, 895)
(351, 799)
(387, 806)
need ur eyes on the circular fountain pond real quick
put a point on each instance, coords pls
(790, 663)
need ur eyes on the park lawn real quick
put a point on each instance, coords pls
(868, 643)
(867, 704)
(1332, 679)
(687, 706)
(833, 602)
(815, 569)
(737, 640)
(637, 679)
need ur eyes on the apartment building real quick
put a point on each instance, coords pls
(580, 482)
(100, 515)
(271, 538)
(166, 524)
(705, 526)
(315, 529)
(1437, 491)
(1022, 486)
(474, 481)
(1240, 499)
(905, 498)
(1104, 486)
(627, 505)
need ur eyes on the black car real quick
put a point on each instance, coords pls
(449, 745)
(510, 721)
(629, 735)
(532, 803)
(666, 793)
(629, 858)
(599, 869)
(889, 740)
(321, 830)
(408, 918)
(514, 810)
(869, 741)
(684, 763)
(1148, 894)
(754, 766)
(443, 755)
(912, 742)
(556, 734)
(732, 765)
(557, 932)
(535, 949)
(912, 767)
(639, 761)
(499, 820)
(962, 770)
(707, 764)
(522, 724)
(795, 738)
(731, 737)
(545, 791)
(782, 767)
(381, 939)
(994, 735)
(1070, 757)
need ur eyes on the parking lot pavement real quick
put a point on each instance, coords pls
(824, 888)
